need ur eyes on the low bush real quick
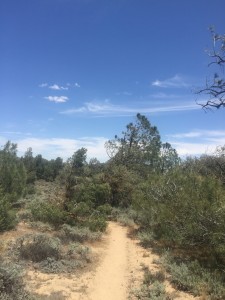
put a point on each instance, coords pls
(191, 276)
(38, 247)
(150, 277)
(11, 284)
(30, 189)
(40, 226)
(24, 215)
(152, 287)
(78, 251)
(77, 234)
(146, 238)
(51, 265)
(125, 220)
(126, 217)
(53, 296)
(74, 256)
(97, 223)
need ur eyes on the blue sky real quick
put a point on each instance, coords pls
(73, 73)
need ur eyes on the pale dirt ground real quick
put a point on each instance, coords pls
(119, 271)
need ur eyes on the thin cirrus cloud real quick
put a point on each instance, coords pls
(57, 87)
(15, 133)
(108, 109)
(42, 85)
(197, 142)
(57, 99)
(174, 82)
(206, 134)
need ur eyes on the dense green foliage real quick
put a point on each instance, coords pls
(12, 184)
(12, 172)
(184, 208)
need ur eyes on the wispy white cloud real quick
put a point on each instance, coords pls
(168, 96)
(15, 133)
(42, 85)
(174, 82)
(60, 147)
(77, 85)
(197, 142)
(57, 99)
(193, 149)
(56, 87)
(199, 133)
(108, 109)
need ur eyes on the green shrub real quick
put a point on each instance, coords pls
(73, 256)
(81, 209)
(146, 238)
(78, 234)
(185, 209)
(30, 189)
(152, 287)
(125, 217)
(52, 265)
(105, 210)
(38, 247)
(24, 214)
(97, 223)
(125, 220)
(11, 284)
(150, 277)
(7, 215)
(47, 212)
(78, 251)
(93, 193)
(191, 276)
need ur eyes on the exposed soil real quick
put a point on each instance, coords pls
(119, 271)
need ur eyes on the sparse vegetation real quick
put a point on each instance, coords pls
(189, 275)
(11, 283)
(76, 234)
(152, 287)
(50, 254)
(53, 296)
(38, 247)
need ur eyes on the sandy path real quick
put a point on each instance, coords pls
(119, 271)
(111, 280)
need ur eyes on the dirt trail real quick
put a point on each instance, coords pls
(111, 278)
(119, 271)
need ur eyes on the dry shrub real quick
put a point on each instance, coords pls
(38, 247)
